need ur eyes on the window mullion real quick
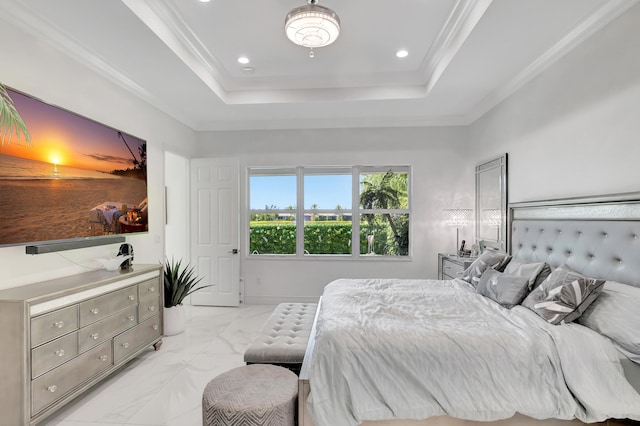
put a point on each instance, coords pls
(299, 212)
(355, 212)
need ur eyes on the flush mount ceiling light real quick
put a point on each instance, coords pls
(312, 26)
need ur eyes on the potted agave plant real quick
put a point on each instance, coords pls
(179, 282)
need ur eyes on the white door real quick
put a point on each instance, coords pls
(214, 230)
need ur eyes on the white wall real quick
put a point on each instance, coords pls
(575, 129)
(443, 177)
(43, 72)
(177, 208)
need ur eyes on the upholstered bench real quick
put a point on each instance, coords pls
(284, 337)
(252, 395)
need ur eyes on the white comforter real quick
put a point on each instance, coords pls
(413, 349)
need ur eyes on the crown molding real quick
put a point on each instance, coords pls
(462, 19)
(29, 20)
(314, 123)
(600, 17)
(167, 24)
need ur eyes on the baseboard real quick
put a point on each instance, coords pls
(274, 300)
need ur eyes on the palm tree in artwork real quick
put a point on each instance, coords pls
(11, 123)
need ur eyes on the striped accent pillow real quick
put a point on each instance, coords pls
(563, 296)
(489, 259)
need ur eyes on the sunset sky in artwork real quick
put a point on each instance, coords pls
(64, 138)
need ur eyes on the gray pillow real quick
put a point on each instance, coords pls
(530, 270)
(616, 314)
(563, 296)
(506, 289)
(488, 259)
(542, 276)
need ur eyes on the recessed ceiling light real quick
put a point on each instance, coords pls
(248, 69)
(243, 60)
(205, 1)
(402, 53)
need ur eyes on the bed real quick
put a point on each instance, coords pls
(428, 352)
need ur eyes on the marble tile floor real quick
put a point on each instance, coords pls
(164, 388)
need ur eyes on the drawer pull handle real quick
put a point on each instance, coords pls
(125, 345)
(152, 289)
(95, 336)
(132, 297)
(58, 324)
(447, 267)
(52, 388)
(131, 318)
(60, 352)
(155, 326)
(95, 311)
(103, 358)
(152, 308)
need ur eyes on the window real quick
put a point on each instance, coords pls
(272, 201)
(327, 210)
(353, 212)
(384, 211)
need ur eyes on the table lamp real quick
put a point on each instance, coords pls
(457, 218)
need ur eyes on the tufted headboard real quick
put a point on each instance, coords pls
(596, 236)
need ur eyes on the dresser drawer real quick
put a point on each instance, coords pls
(101, 307)
(57, 323)
(148, 307)
(54, 353)
(102, 330)
(451, 270)
(48, 388)
(149, 289)
(136, 338)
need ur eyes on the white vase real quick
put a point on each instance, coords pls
(175, 321)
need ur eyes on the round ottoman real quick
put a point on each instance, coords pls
(258, 394)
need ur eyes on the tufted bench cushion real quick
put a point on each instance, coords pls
(284, 337)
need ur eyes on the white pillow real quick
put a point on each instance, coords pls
(616, 314)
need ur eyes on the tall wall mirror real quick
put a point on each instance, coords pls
(491, 202)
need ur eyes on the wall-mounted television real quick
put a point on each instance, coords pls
(76, 181)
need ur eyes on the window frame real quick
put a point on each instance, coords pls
(356, 211)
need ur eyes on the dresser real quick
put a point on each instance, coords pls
(450, 266)
(62, 336)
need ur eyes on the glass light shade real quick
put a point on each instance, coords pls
(457, 218)
(312, 26)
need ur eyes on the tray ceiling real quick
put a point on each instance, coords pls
(465, 56)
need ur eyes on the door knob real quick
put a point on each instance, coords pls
(234, 251)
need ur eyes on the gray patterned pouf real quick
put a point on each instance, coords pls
(252, 395)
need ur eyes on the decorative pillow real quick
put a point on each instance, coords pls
(506, 289)
(488, 259)
(542, 276)
(525, 269)
(616, 314)
(563, 296)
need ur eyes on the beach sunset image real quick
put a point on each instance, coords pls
(77, 178)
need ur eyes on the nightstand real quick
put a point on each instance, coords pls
(449, 265)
